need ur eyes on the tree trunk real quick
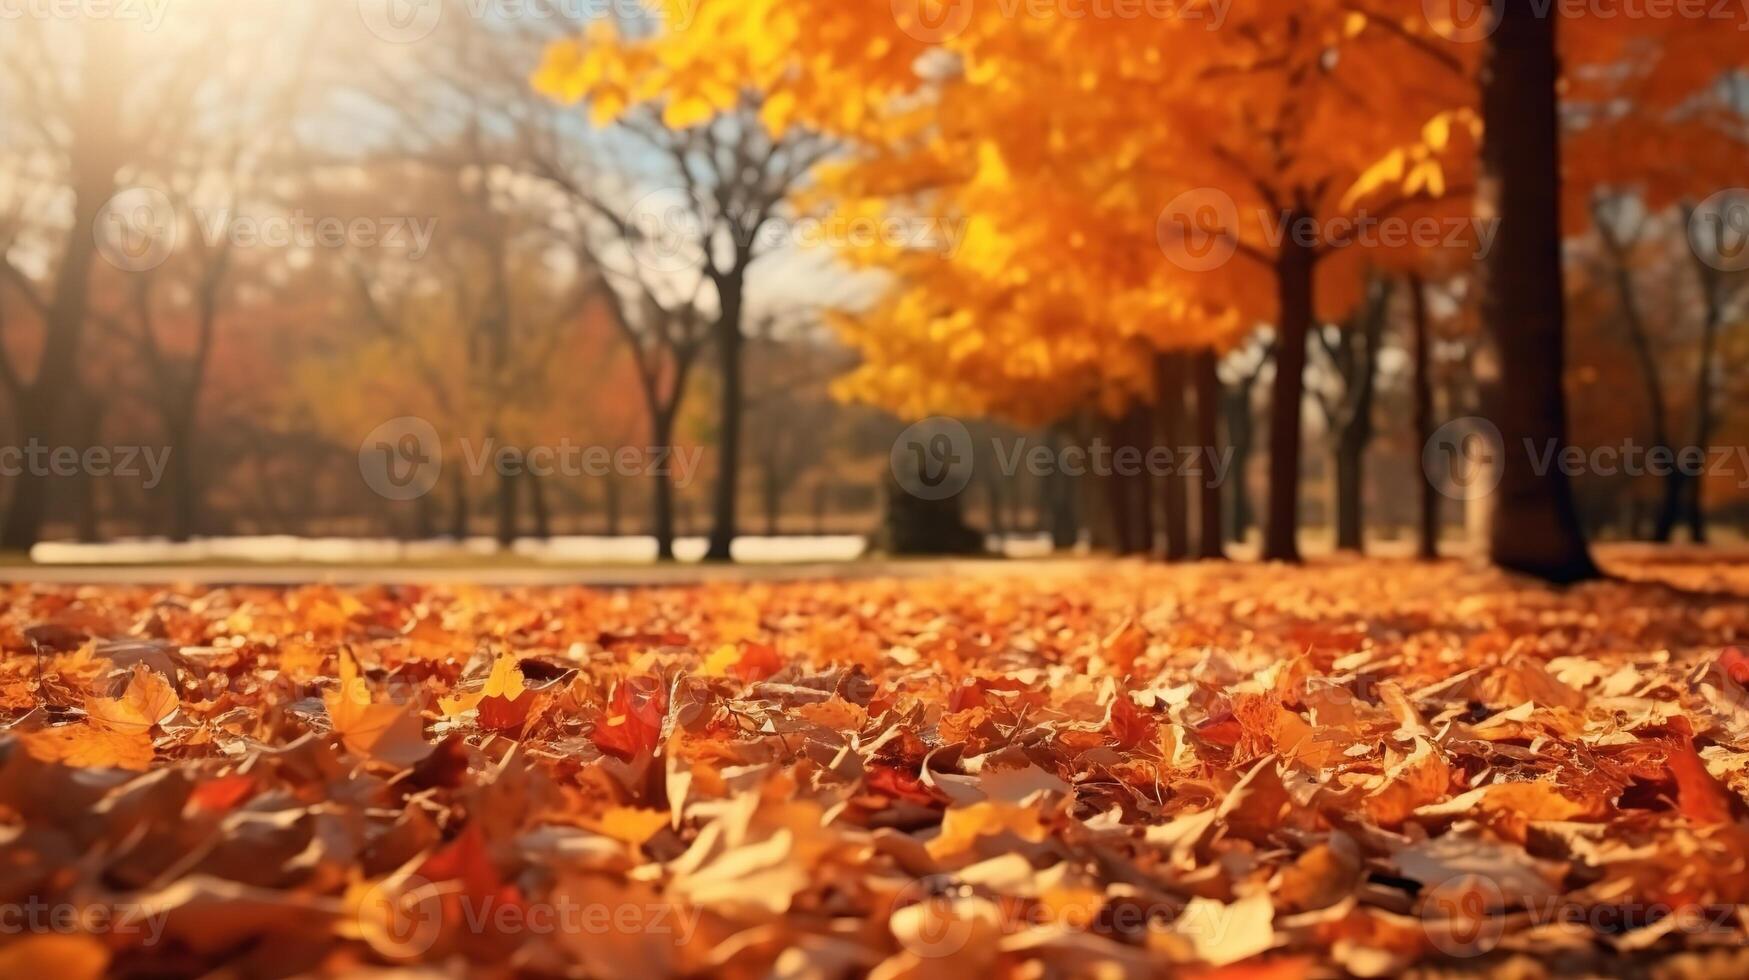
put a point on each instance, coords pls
(728, 342)
(1294, 269)
(1121, 521)
(92, 158)
(1059, 501)
(184, 488)
(994, 523)
(537, 505)
(912, 525)
(662, 496)
(1349, 464)
(1354, 359)
(458, 514)
(1680, 504)
(1138, 436)
(87, 505)
(1427, 538)
(507, 511)
(1534, 527)
(1646, 360)
(773, 500)
(610, 507)
(1241, 431)
(1706, 375)
(1169, 385)
(424, 518)
(1208, 411)
(1129, 497)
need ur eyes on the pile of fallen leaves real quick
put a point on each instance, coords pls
(1365, 769)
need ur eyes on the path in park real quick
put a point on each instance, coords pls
(1723, 568)
(521, 575)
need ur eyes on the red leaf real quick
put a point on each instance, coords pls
(1223, 729)
(475, 885)
(1127, 725)
(758, 661)
(504, 715)
(632, 723)
(1699, 796)
(222, 794)
(899, 785)
(1735, 664)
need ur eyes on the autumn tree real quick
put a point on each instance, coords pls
(1654, 140)
(1716, 259)
(512, 281)
(86, 152)
(1427, 527)
(169, 315)
(1234, 147)
(796, 366)
(119, 104)
(1353, 353)
(666, 339)
(727, 152)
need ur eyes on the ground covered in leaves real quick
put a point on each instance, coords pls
(1358, 768)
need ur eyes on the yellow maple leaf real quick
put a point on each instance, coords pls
(91, 746)
(147, 701)
(718, 663)
(632, 825)
(505, 682)
(961, 826)
(391, 733)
